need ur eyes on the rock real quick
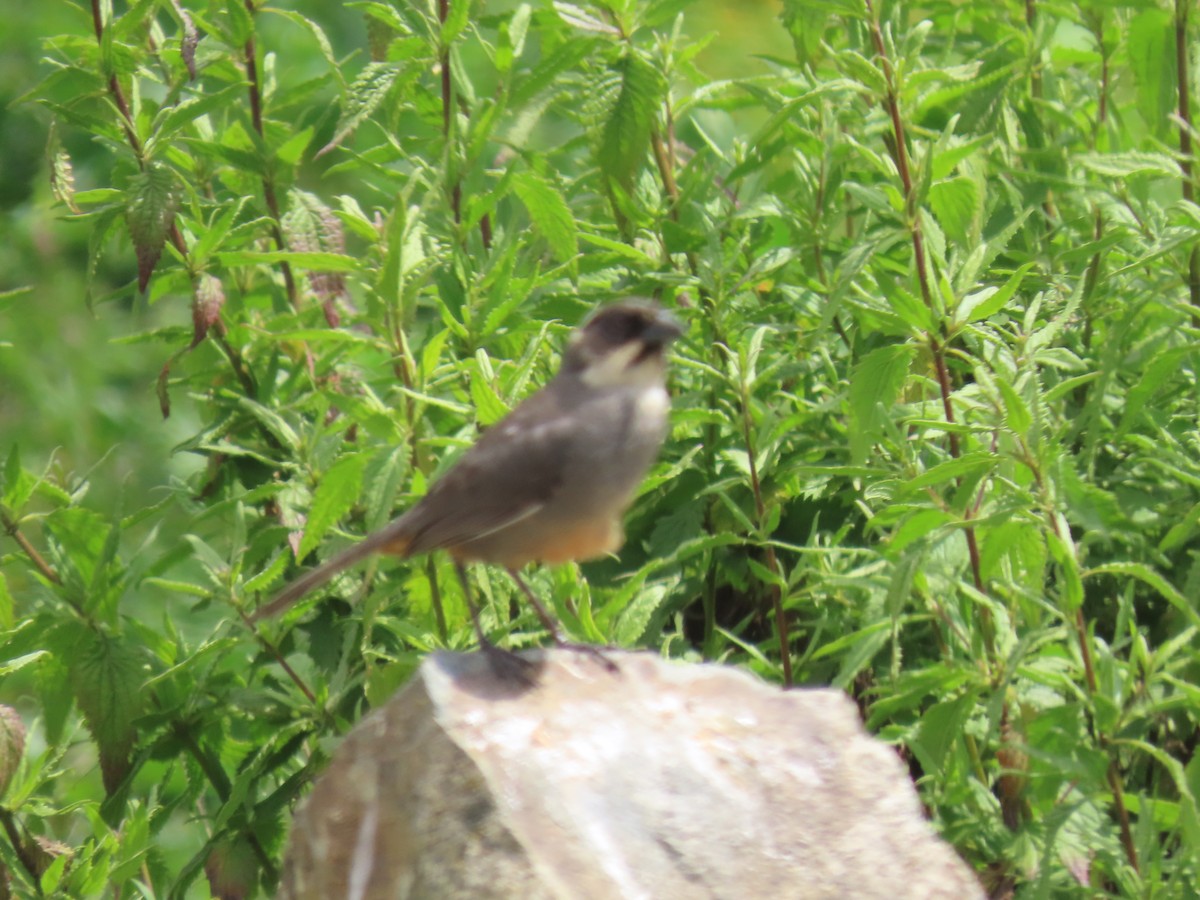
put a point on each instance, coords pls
(660, 780)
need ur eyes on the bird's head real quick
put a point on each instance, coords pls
(622, 345)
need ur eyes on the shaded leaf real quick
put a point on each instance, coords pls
(207, 300)
(363, 97)
(152, 199)
(336, 494)
(874, 386)
(549, 212)
(106, 678)
(625, 135)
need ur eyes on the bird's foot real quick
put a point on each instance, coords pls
(596, 653)
(508, 666)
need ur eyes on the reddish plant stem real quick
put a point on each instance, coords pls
(173, 232)
(760, 508)
(279, 658)
(1185, 146)
(114, 89)
(936, 347)
(448, 112)
(13, 529)
(268, 181)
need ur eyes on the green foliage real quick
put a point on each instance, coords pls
(935, 414)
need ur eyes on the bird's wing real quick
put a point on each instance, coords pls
(510, 473)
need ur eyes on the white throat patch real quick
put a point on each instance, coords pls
(618, 369)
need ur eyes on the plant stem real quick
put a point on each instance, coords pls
(13, 529)
(760, 508)
(1185, 147)
(937, 349)
(268, 181)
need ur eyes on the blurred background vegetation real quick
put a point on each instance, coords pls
(67, 391)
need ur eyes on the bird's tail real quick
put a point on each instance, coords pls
(389, 539)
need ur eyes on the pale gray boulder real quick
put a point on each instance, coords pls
(658, 781)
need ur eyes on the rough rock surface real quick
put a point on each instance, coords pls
(657, 781)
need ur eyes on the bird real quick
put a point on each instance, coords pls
(551, 481)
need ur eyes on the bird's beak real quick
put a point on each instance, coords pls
(664, 329)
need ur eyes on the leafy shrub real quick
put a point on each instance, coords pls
(935, 436)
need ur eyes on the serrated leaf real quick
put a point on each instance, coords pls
(326, 262)
(1153, 579)
(1177, 535)
(489, 408)
(1017, 412)
(941, 726)
(549, 213)
(7, 618)
(17, 484)
(958, 204)
(625, 136)
(363, 97)
(207, 300)
(1071, 585)
(12, 745)
(290, 151)
(274, 422)
(106, 677)
(310, 226)
(874, 386)
(916, 526)
(1130, 164)
(62, 179)
(152, 199)
(987, 302)
(636, 615)
(1152, 52)
(952, 469)
(335, 496)
(581, 18)
(188, 110)
(910, 308)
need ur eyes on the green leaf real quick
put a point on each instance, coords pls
(107, 674)
(1152, 52)
(989, 301)
(958, 205)
(874, 386)
(1017, 412)
(1130, 164)
(953, 469)
(7, 619)
(1179, 533)
(336, 494)
(320, 262)
(1149, 576)
(16, 484)
(625, 135)
(916, 526)
(151, 202)
(941, 725)
(489, 408)
(638, 613)
(549, 213)
(1071, 588)
(175, 118)
(364, 95)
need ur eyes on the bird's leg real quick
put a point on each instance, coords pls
(552, 626)
(542, 613)
(506, 664)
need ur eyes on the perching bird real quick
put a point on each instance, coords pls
(551, 482)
